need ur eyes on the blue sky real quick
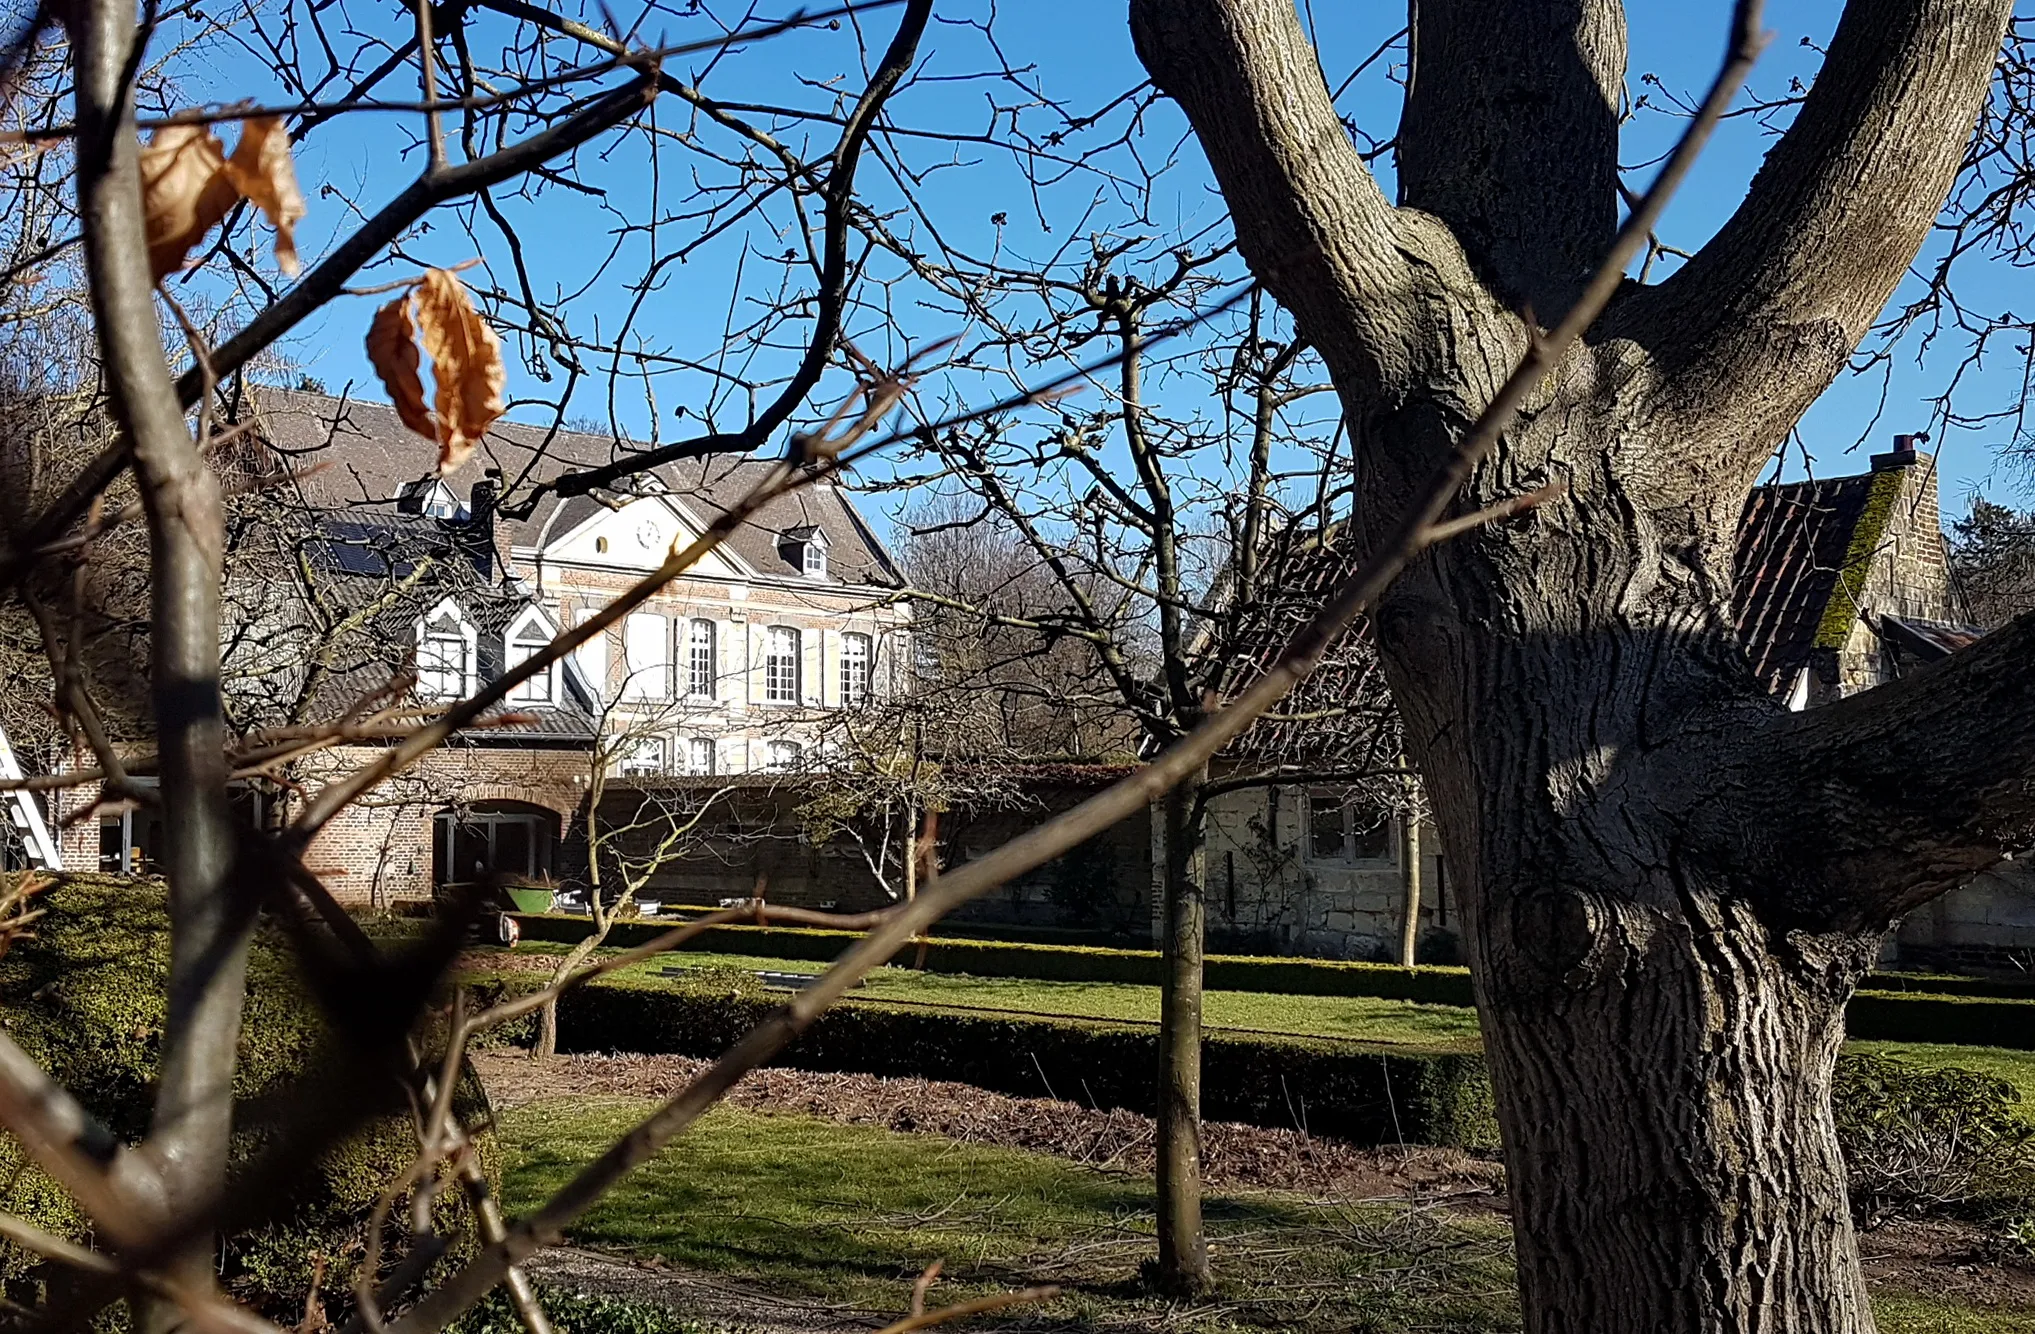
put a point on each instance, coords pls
(1081, 53)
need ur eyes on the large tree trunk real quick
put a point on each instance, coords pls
(1661, 1050)
(1183, 1249)
(1670, 884)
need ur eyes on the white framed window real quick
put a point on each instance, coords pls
(781, 660)
(528, 636)
(646, 757)
(1341, 828)
(785, 755)
(702, 666)
(815, 561)
(592, 659)
(855, 654)
(447, 654)
(646, 650)
(699, 755)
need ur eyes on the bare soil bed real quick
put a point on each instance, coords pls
(1952, 1261)
(1234, 1156)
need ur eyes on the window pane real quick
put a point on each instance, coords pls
(703, 665)
(515, 841)
(854, 669)
(784, 754)
(646, 651)
(441, 666)
(700, 755)
(781, 665)
(1325, 825)
(592, 657)
(646, 758)
(538, 688)
(1371, 833)
(469, 852)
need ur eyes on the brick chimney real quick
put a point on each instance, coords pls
(1903, 454)
(477, 534)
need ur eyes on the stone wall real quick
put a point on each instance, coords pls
(378, 852)
(1986, 924)
(749, 835)
(1268, 892)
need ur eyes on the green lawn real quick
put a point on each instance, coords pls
(2016, 1067)
(851, 1213)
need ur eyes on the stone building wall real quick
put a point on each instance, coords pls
(573, 580)
(750, 836)
(1985, 925)
(1268, 891)
(378, 852)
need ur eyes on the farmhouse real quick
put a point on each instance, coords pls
(1842, 584)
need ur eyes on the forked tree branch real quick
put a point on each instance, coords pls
(1758, 323)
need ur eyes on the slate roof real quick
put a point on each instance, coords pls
(1793, 540)
(360, 558)
(370, 455)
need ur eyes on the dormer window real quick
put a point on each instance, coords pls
(528, 636)
(431, 497)
(447, 654)
(805, 547)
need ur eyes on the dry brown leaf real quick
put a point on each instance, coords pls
(260, 169)
(466, 362)
(185, 191)
(392, 348)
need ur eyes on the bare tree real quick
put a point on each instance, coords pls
(654, 827)
(1166, 589)
(1992, 558)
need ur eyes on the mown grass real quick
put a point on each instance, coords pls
(853, 1214)
(1915, 1313)
(2016, 1067)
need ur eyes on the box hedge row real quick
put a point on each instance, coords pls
(1963, 1011)
(1363, 1092)
(1046, 963)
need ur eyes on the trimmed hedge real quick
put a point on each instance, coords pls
(83, 995)
(1046, 963)
(1973, 1012)
(1966, 1021)
(1364, 1092)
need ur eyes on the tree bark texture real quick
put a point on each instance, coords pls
(1409, 878)
(210, 922)
(1670, 884)
(1183, 1249)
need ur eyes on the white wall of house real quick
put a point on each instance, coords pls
(580, 570)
